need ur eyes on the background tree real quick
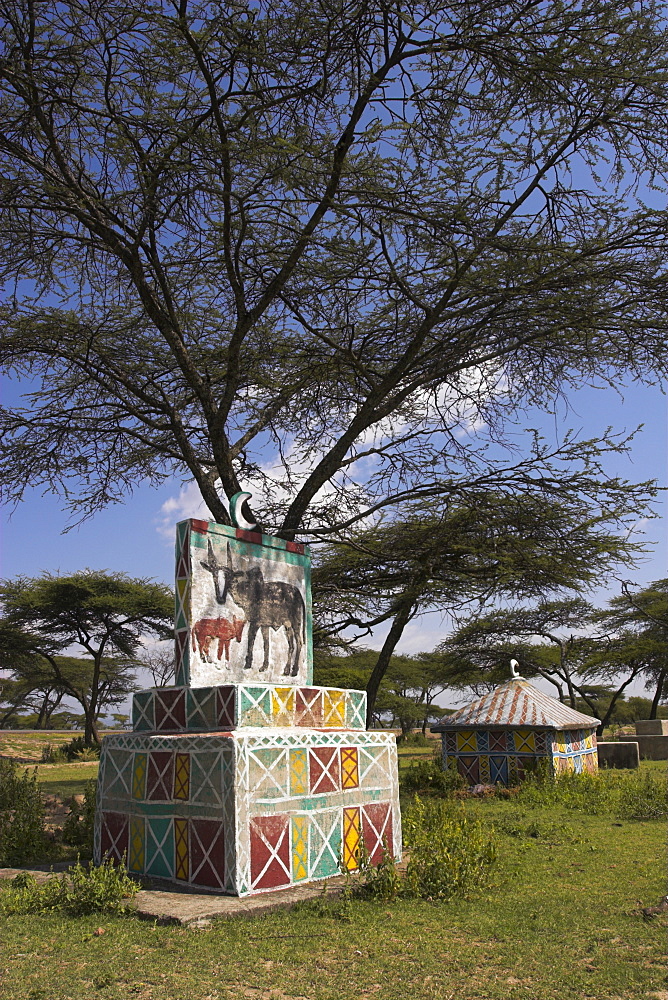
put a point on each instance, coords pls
(359, 241)
(492, 545)
(584, 647)
(160, 663)
(104, 614)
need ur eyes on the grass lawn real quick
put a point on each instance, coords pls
(560, 922)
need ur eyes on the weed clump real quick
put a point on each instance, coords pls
(450, 853)
(22, 836)
(428, 778)
(75, 749)
(642, 796)
(80, 823)
(77, 892)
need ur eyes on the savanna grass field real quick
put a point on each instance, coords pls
(562, 913)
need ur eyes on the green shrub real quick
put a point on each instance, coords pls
(449, 853)
(414, 740)
(79, 824)
(642, 796)
(590, 793)
(427, 777)
(77, 892)
(22, 836)
(381, 881)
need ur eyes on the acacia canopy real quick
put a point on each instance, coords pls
(310, 248)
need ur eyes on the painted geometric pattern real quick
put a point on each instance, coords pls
(247, 811)
(507, 756)
(211, 709)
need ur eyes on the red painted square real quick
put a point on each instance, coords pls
(377, 830)
(225, 698)
(497, 742)
(270, 852)
(201, 527)
(170, 709)
(308, 707)
(207, 853)
(469, 769)
(114, 836)
(324, 770)
(160, 776)
(295, 547)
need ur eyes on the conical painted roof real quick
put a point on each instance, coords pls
(516, 703)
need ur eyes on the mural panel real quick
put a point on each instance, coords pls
(243, 610)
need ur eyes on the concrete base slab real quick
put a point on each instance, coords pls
(167, 904)
(624, 754)
(650, 747)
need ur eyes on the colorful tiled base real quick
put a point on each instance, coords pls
(487, 756)
(250, 810)
(230, 706)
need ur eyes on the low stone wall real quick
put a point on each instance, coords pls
(652, 727)
(618, 755)
(650, 747)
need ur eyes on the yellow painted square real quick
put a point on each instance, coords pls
(283, 706)
(136, 859)
(349, 768)
(351, 838)
(299, 848)
(181, 849)
(298, 772)
(182, 776)
(525, 741)
(139, 776)
(334, 709)
(466, 741)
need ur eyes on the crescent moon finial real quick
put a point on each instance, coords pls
(238, 519)
(514, 672)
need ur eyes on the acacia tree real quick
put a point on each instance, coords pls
(494, 545)
(308, 248)
(104, 614)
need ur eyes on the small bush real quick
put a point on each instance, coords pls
(642, 796)
(22, 836)
(427, 777)
(381, 881)
(589, 793)
(79, 824)
(414, 740)
(77, 892)
(450, 854)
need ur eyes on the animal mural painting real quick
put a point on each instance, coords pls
(268, 606)
(220, 630)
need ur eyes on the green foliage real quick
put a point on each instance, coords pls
(75, 750)
(450, 854)
(549, 831)
(77, 892)
(428, 777)
(382, 881)
(416, 740)
(80, 823)
(642, 796)
(22, 836)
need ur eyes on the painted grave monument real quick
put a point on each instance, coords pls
(501, 737)
(243, 777)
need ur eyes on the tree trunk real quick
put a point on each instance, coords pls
(658, 692)
(399, 623)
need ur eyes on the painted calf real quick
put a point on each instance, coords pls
(206, 630)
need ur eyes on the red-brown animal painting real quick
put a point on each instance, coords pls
(208, 630)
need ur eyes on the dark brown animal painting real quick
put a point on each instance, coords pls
(208, 630)
(267, 605)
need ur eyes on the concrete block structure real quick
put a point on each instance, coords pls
(503, 736)
(244, 777)
(652, 727)
(618, 755)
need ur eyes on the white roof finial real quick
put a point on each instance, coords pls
(515, 675)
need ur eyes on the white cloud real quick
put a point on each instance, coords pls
(188, 503)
